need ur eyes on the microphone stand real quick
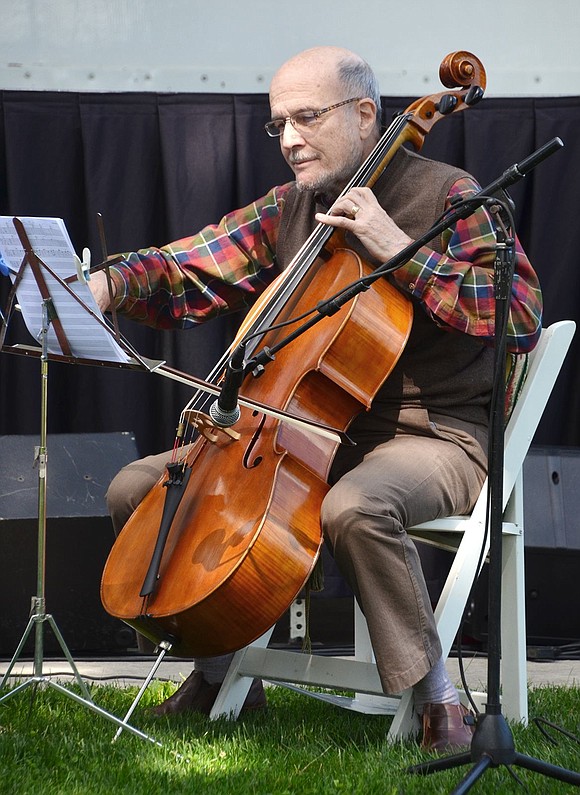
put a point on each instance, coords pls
(492, 743)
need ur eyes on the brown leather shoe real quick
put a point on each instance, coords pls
(445, 727)
(197, 695)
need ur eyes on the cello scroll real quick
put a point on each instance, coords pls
(459, 70)
(462, 73)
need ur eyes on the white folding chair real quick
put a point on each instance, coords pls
(466, 536)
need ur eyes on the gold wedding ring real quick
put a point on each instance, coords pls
(354, 210)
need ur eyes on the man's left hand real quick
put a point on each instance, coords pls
(359, 212)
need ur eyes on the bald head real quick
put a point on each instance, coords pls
(334, 67)
(320, 61)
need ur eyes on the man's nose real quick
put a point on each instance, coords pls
(290, 135)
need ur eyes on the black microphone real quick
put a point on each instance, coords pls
(225, 412)
(519, 170)
(509, 177)
(540, 154)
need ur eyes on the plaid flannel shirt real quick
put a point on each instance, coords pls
(225, 267)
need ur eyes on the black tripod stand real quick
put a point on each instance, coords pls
(492, 744)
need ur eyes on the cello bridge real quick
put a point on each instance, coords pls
(204, 424)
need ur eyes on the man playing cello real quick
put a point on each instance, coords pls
(421, 449)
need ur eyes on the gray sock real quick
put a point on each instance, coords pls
(213, 669)
(435, 688)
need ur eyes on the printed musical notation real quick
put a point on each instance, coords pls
(51, 243)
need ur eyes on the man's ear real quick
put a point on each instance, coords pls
(367, 116)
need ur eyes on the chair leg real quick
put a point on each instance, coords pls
(405, 723)
(236, 684)
(513, 611)
(513, 622)
(363, 651)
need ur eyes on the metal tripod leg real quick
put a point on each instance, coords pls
(37, 621)
(165, 647)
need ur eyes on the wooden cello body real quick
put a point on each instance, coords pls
(246, 534)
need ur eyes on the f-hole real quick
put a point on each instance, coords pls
(247, 460)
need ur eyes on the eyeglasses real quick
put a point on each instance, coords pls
(303, 120)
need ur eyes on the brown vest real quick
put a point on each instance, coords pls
(444, 372)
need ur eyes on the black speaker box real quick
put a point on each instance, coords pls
(79, 536)
(552, 499)
(552, 550)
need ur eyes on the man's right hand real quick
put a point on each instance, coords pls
(100, 291)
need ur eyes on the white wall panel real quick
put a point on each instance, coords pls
(528, 47)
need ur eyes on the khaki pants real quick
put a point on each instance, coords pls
(422, 468)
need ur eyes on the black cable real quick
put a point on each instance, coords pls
(538, 721)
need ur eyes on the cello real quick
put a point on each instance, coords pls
(220, 547)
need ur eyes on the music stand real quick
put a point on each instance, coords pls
(39, 618)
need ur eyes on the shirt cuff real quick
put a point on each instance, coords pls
(121, 288)
(414, 276)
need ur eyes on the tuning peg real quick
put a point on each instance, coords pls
(473, 96)
(446, 104)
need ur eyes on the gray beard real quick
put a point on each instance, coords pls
(330, 186)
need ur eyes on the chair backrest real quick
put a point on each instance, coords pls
(468, 532)
(545, 362)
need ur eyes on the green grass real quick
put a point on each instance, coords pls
(52, 745)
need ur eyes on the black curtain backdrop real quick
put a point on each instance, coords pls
(159, 167)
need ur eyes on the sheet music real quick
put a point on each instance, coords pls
(51, 243)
